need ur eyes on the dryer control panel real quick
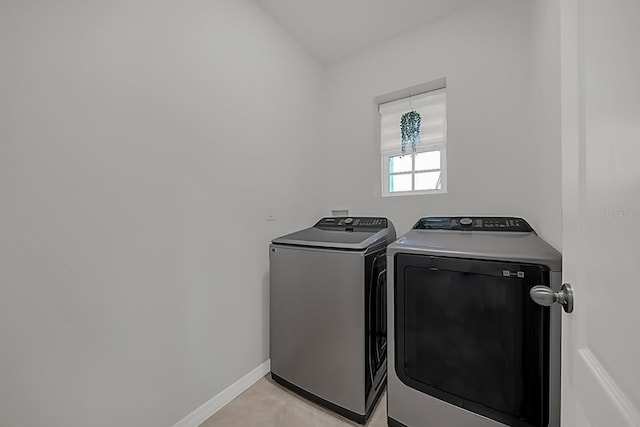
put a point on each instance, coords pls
(352, 223)
(474, 223)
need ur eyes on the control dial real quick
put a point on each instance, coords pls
(466, 222)
(348, 221)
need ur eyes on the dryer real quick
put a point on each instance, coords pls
(467, 345)
(328, 312)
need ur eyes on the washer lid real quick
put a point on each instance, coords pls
(341, 233)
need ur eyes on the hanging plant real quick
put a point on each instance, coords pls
(410, 124)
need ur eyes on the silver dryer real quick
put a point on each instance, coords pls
(467, 345)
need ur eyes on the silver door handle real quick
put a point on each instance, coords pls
(544, 295)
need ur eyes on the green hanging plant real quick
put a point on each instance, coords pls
(410, 124)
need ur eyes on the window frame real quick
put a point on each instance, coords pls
(387, 154)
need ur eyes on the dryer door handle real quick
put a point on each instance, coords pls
(544, 295)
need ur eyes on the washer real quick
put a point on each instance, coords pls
(328, 312)
(467, 345)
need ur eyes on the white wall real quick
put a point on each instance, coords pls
(495, 162)
(133, 249)
(545, 115)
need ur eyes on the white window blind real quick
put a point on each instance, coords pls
(432, 107)
(425, 170)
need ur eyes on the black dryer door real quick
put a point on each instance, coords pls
(468, 333)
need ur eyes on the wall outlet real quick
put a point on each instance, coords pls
(270, 215)
(339, 212)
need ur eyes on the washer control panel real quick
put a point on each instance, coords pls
(352, 223)
(474, 223)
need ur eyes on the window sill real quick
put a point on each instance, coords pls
(414, 193)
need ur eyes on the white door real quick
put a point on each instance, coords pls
(601, 211)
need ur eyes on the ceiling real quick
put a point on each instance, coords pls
(334, 29)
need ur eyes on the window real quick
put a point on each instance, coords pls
(422, 172)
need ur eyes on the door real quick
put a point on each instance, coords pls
(601, 211)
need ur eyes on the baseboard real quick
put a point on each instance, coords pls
(216, 403)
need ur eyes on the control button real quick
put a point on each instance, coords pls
(466, 222)
(348, 221)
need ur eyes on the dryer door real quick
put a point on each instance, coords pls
(468, 333)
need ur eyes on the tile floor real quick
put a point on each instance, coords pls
(267, 404)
